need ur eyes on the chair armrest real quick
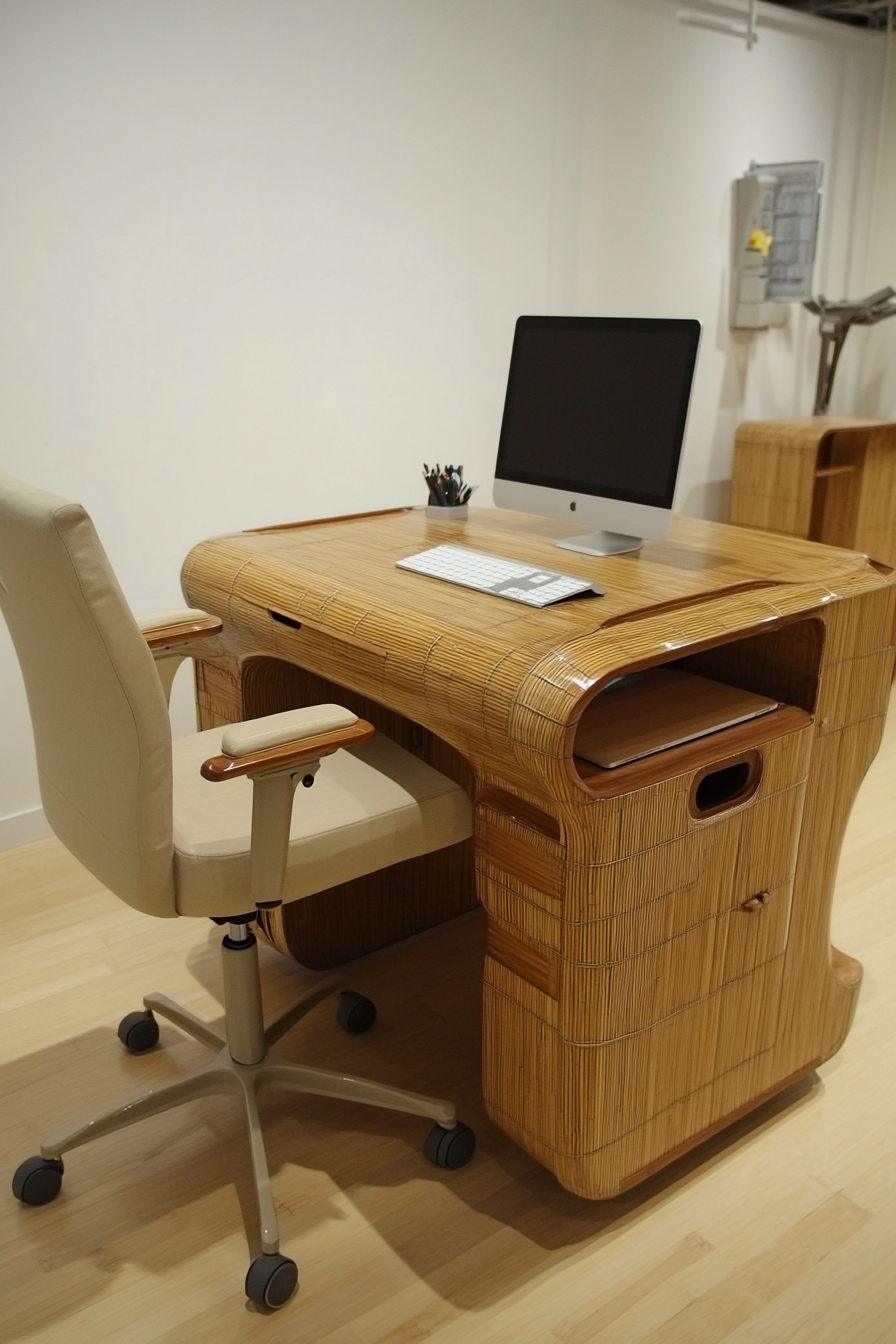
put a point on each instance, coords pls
(273, 730)
(181, 625)
(277, 741)
(274, 752)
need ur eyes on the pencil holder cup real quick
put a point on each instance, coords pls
(447, 513)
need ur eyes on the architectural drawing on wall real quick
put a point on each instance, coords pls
(834, 322)
(776, 210)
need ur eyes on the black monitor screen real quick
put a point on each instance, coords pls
(597, 405)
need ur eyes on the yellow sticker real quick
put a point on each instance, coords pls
(760, 241)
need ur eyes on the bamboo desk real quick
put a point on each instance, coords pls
(825, 478)
(659, 959)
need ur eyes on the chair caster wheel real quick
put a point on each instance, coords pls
(138, 1032)
(355, 1013)
(271, 1281)
(451, 1148)
(38, 1180)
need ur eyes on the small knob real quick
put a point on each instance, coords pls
(755, 902)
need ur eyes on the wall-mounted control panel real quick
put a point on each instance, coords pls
(776, 208)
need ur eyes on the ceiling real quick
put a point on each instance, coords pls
(859, 13)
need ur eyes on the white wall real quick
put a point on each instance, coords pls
(260, 258)
(666, 131)
(877, 344)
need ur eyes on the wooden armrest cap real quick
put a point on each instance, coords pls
(181, 625)
(287, 754)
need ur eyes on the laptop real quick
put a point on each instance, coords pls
(646, 712)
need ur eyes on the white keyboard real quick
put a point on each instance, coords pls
(493, 574)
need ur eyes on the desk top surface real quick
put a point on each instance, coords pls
(297, 568)
(476, 668)
(699, 581)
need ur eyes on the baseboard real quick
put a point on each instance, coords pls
(23, 827)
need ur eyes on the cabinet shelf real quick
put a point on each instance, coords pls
(743, 737)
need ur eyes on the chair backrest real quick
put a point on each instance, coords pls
(98, 711)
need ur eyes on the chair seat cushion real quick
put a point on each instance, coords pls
(369, 807)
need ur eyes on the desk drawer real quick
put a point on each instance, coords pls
(636, 903)
(599, 1003)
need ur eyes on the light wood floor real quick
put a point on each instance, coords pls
(781, 1231)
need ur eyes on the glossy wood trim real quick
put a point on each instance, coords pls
(318, 522)
(694, 600)
(537, 965)
(222, 767)
(163, 636)
(534, 866)
(527, 814)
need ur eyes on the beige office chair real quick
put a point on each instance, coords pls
(204, 826)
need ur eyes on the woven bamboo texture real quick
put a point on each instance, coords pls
(654, 967)
(825, 478)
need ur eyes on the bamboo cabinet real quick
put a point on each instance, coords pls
(824, 478)
(658, 953)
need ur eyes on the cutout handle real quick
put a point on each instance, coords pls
(725, 784)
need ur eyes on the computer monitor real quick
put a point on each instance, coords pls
(593, 424)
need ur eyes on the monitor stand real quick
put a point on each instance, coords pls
(602, 543)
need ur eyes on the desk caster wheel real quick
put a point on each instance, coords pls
(271, 1281)
(38, 1180)
(138, 1032)
(451, 1148)
(354, 1013)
